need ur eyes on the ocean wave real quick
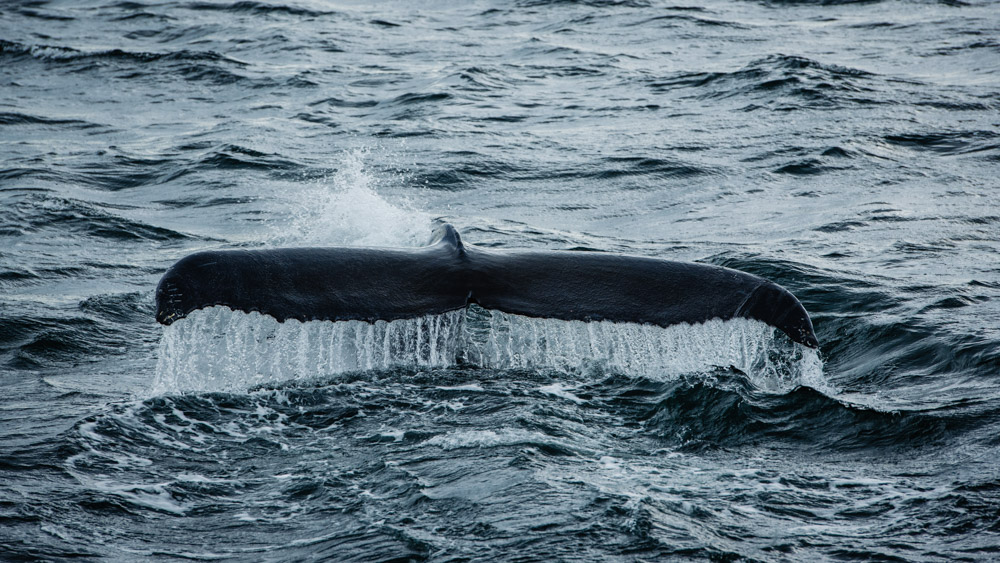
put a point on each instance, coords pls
(470, 169)
(32, 342)
(727, 412)
(37, 213)
(93, 329)
(45, 15)
(948, 142)
(236, 157)
(671, 20)
(15, 118)
(783, 82)
(587, 3)
(206, 66)
(257, 8)
(69, 54)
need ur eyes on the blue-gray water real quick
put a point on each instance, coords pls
(847, 150)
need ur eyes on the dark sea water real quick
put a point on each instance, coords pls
(849, 151)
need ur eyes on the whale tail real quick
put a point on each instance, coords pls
(371, 284)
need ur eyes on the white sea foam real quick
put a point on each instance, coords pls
(217, 349)
(491, 438)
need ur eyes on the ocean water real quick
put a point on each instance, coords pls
(849, 151)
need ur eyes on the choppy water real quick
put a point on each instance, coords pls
(847, 150)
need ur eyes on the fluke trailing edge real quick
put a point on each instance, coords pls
(371, 284)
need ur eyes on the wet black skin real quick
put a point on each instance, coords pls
(372, 284)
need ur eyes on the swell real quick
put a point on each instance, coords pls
(730, 414)
(948, 142)
(876, 335)
(783, 82)
(414, 413)
(208, 66)
(492, 449)
(55, 53)
(16, 118)
(100, 326)
(35, 214)
(191, 164)
(718, 411)
(257, 8)
(470, 169)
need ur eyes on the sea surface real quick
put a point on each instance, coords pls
(849, 151)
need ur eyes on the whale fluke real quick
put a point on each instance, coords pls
(371, 284)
